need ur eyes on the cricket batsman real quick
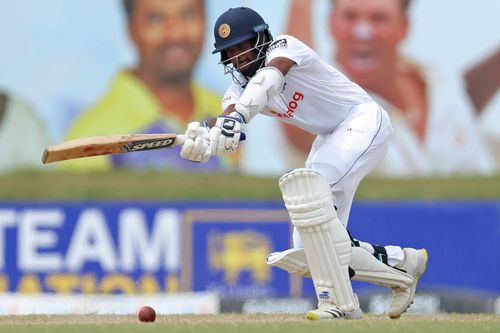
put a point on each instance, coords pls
(281, 77)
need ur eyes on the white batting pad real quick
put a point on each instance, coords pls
(325, 240)
(366, 267)
(292, 260)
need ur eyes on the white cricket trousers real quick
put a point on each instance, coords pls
(345, 156)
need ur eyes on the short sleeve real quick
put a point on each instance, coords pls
(288, 47)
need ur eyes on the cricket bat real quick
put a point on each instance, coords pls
(110, 144)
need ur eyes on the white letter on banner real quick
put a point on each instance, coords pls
(136, 245)
(30, 239)
(7, 219)
(91, 241)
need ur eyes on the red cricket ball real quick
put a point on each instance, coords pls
(147, 314)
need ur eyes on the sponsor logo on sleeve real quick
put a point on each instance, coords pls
(277, 44)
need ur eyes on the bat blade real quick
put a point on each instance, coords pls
(110, 144)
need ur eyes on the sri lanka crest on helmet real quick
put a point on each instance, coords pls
(224, 30)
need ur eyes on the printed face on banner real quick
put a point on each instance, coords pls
(169, 36)
(367, 35)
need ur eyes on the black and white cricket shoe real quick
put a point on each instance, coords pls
(415, 263)
(330, 311)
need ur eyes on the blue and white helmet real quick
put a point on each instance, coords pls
(238, 25)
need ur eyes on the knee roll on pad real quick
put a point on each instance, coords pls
(307, 197)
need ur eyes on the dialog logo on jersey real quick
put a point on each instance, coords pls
(291, 107)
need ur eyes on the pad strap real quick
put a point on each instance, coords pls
(380, 253)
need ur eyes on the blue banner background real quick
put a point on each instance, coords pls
(462, 238)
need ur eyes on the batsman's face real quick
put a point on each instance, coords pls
(242, 56)
(169, 35)
(367, 35)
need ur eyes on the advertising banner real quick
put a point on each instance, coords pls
(142, 247)
(63, 78)
(221, 247)
(89, 248)
(224, 251)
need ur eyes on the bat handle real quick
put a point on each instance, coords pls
(180, 139)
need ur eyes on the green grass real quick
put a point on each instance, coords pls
(134, 185)
(456, 323)
(37, 185)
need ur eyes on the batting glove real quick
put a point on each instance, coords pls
(226, 134)
(196, 148)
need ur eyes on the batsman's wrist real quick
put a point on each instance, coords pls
(237, 115)
(208, 123)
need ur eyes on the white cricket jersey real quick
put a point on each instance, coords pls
(316, 96)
